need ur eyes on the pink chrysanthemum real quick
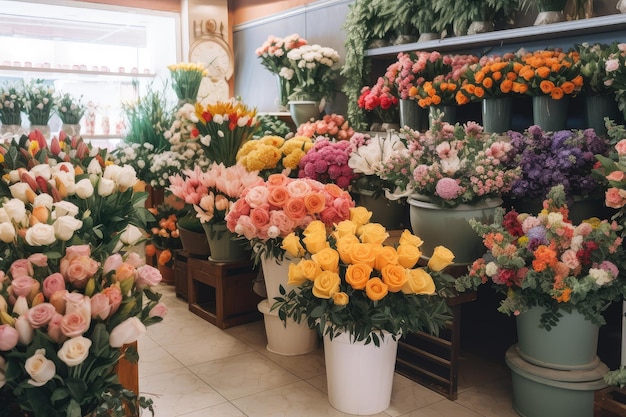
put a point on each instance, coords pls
(448, 189)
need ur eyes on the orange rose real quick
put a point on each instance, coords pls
(419, 282)
(314, 202)
(277, 195)
(327, 258)
(150, 250)
(357, 275)
(394, 276)
(276, 179)
(125, 271)
(376, 289)
(295, 208)
(326, 284)
(385, 256)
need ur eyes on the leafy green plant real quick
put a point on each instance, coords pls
(461, 13)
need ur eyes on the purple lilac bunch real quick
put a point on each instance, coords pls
(451, 165)
(327, 162)
(550, 158)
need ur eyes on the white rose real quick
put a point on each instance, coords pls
(127, 177)
(18, 190)
(43, 200)
(21, 306)
(84, 189)
(67, 179)
(65, 208)
(94, 167)
(4, 216)
(41, 170)
(65, 226)
(7, 232)
(112, 172)
(40, 369)
(491, 269)
(74, 351)
(106, 187)
(131, 235)
(24, 330)
(126, 332)
(40, 235)
(15, 209)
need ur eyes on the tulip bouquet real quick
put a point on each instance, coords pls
(267, 212)
(327, 162)
(333, 126)
(543, 259)
(274, 155)
(12, 100)
(350, 281)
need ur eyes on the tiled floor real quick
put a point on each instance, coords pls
(191, 368)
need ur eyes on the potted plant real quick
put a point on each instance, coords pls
(39, 104)
(550, 11)
(70, 111)
(362, 295)
(469, 17)
(12, 99)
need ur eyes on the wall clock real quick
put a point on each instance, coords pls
(212, 50)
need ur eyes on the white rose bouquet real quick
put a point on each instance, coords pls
(312, 67)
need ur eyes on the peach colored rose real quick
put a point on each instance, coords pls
(125, 271)
(340, 299)
(395, 276)
(246, 227)
(100, 306)
(326, 284)
(299, 188)
(310, 269)
(385, 255)
(357, 275)
(74, 324)
(260, 218)
(279, 219)
(52, 284)
(135, 259)
(257, 196)
(614, 199)
(616, 176)
(77, 250)
(78, 269)
(39, 368)
(314, 203)
(277, 179)
(54, 328)
(295, 208)
(327, 258)
(419, 282)
(442, 257)
(334, 190)
(278, 196)
(408, 255)
(39, 316)
(620, 147)
(363, 253)
(115, 297)
(375, 289)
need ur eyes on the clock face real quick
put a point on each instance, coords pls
(216, 57)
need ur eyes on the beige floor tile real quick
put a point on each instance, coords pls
(490, 400)
(443, 408)
(221, 410)
(206, 348)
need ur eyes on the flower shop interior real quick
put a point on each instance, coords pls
(295, 208)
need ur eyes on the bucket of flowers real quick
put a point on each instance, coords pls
(12, 101)
(38, 104)
(327, 162)
(382, 102)
(274, 155)
(70, 110)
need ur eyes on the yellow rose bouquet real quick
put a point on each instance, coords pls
(350, 281)
(274, 155)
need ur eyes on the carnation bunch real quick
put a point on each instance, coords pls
(333, 126)
(327, 162)
(39, 102)
(543, 259)
(12, 102)
(451, 165)
(186, 79)
(69, 109)
(274, 155)
(349, 280)
(266, 213)
(551, 72)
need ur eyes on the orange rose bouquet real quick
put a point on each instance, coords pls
(350, 281)
(493, 76)
(551, 72)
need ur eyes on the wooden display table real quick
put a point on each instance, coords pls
(221, 293)
(610, 402)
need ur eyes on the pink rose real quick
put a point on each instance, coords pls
(611, 65)
(279, 219)
(147, 276)
(74, 324)
(21, 267)
(135, 260)
(78, 269)
(100, 306)
(343, 205)
(38, 259)
(257, 196)
(115, 297)
(260, 218)
(77, 250)
(54, 328)
(23, 285)
(616, 176)
(613, 198)
(112, 263)
(52, 284)
(39, 315)
(620, 147)
(76, 302)
(159, 310)
(330, 216)
(8, 337)
(246, 227)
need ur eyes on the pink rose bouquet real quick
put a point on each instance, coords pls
(271, 210)
(64, 324)
(412, 69)
(327, 162)
(451, 164)
(333, 126)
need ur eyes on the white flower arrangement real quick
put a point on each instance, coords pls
(181, 139)
(39, 102)
(163, 165)
(313, 71)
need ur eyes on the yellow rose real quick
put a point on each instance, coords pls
(408, 255)
(327, 259)
(314, 228)
(362, 253)
(344, 228)
(376, 289)
(408, 238)
(315, 242)
(295, 275)
(394, 276)
(340, 298)
(360, 215)
(326, 284)
(343, 247)
(373, 233)
(310, 269)
(385, 255)
(357, 275)
(291, 243)
(419, 282)
(441, 258)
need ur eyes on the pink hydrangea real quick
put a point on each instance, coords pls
(448, 189)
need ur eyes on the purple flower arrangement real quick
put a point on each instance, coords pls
(550, 158)
(327, 162)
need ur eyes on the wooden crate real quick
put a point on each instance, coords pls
(221, 293)
(610, 402)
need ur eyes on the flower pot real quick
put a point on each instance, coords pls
(497, 114)
(222, 245)
(11, 130)
(549, 16)
(540, 392)
(286, 339)
(412, 115)
(194, 243)
(428, 36)
(359, 376)
(304, 111)
(480, 27)
(569, 345)
(71, 129)
(275, 274)
(389, 213)
(284, 90)
(450, 227)
(550, 114)
(597, 108)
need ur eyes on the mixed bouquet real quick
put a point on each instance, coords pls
(69, 109)
(273, 52)
(327, 162)
(615, 67)
(274, 155)
(266, 213)
(451, 164)
(312, 72)
(545, 260)
(412, 69)
(546, 159)
(381, 99)
(551, 73)
(593, 67)
(186, 80)
(39, 102)
(613, 170)
(12, 101)
(333, 126)
(492, 77)
(182, 138)
(350, 281)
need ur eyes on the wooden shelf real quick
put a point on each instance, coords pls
(594, 25)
